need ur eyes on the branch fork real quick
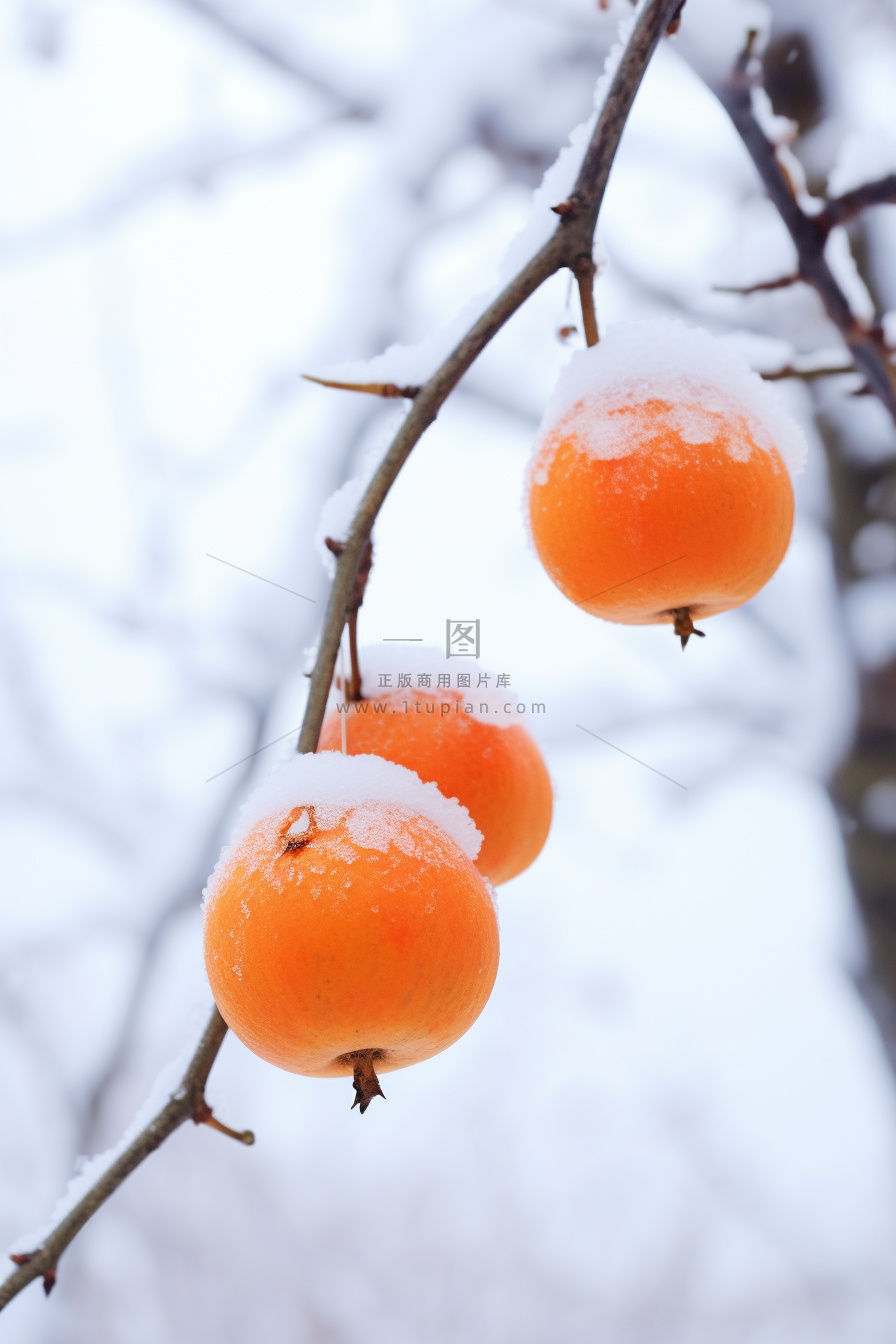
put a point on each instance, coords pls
(809, 232)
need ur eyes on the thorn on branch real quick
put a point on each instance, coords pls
(49, 1275)
(567, 209)
(203, 1115)
(783, 282)
(675, 21)
(391, 390)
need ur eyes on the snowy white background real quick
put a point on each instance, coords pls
(674, 1121)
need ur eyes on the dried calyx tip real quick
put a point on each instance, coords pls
(364, 1081)
(684, 626)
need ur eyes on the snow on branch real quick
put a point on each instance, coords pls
(819, 264)
(187, 1102)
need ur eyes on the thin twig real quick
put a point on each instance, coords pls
(842, 208)
(571, 242)
(782, 282)
(232, 26)
(808, 374)
(809, 232)
(185, 1104)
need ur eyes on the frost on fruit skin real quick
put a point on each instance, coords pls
(379, 796)
(705, 382)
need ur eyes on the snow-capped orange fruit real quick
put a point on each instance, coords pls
(347, 930)
(495, 771)
(660, 488)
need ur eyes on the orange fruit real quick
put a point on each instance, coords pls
(494, 769)
(660, 490)
(346, 929)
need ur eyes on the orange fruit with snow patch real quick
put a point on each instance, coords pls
(347, 930)
(660, 489)
(494, 769)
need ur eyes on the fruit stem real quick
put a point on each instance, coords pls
(353, 691)
(584, 273)
(365, 1081)
(684, 626)
(352, 606)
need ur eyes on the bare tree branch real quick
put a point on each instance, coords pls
(274, 55)
(782, 282)
(197, 166)
(808, 373)
(187, 1103)
(842, 208)
(184, 899)
(570, 246)
(808, 234)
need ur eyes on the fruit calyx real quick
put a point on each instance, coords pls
(300, 829)
(364, 1081)
(684, 626)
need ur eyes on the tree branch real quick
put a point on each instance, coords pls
(809, 232)
(570, 246)
(187, 1103)
(273, 54)
(571, 241)
(782, 282)
(841, 208)
(808, 374)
